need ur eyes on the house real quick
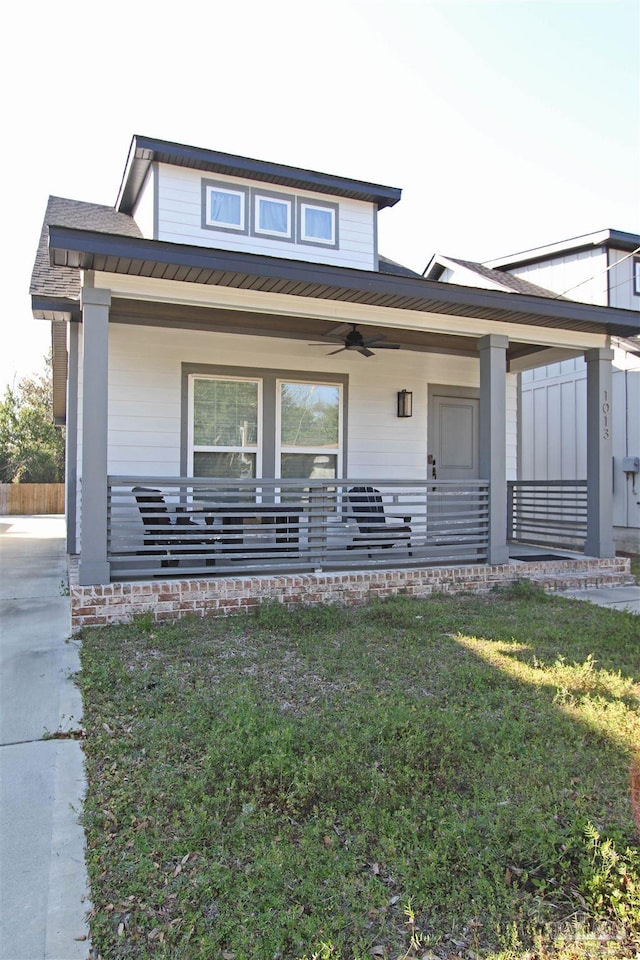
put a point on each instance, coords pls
(259, 403)
(601, 268)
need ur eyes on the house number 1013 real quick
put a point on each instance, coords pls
(605, 416)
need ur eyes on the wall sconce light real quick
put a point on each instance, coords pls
(405, 403)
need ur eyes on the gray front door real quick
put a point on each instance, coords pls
(454, 439)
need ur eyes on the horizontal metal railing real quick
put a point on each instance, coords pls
(547, 511)
(188, 526)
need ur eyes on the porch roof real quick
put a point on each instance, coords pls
(74, 248)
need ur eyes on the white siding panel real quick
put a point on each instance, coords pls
(621, 287)
(144, 213)
(180, 221)
(582, 276)
(145, 396)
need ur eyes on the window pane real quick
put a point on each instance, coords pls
(225, 413)
(295, 466)
(309, 415)
(233, 465)
(318, 224)
(226, 208)
(273, 216)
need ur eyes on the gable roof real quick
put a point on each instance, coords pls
(439, 264)
(146, 150)
(616, 239)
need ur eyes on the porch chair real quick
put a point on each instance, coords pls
(375, 532)
(169, 537)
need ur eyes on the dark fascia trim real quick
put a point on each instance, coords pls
(55, 308)
(145, 150)
(90, 250)
(616, 239)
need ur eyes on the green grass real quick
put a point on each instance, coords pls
(411, 778)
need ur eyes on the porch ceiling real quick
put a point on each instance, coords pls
(149, 313)
(109, 253)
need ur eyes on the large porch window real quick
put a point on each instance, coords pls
(225, 427)
(309, 430)
(269, 424)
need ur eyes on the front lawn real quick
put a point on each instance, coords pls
(443, 778)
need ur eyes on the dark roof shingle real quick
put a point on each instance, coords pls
(54, 281)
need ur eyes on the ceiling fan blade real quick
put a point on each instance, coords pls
(333, 352)
(365, 352)
(388, 346)
(338, 330)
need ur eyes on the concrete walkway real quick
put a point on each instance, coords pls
(616, 598)
(43, 885)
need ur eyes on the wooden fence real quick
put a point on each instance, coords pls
(31, 498)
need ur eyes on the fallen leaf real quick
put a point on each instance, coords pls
(185, 858)
(508, 876)
(177, 870)
(328, 840)
(375, 868)
(121, 929)
(378, 951)
(82, 936)
(394, 900)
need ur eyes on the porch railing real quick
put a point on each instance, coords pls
(547, 512)
(194, 527)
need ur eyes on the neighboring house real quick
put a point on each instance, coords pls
(233, 343)
(600, 268)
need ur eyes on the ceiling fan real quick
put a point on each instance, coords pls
(353, 340)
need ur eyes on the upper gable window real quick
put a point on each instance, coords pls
(273, 215)
(318, 223)
(636, 276)
(225, 206)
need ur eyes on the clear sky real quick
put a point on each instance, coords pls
(507, 123)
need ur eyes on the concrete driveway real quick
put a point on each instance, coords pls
(43, 885)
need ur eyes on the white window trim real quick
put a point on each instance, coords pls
(193, 448)
(284, 198)
(281, 448)
(636, 276)
(211, 186)
(305, 205)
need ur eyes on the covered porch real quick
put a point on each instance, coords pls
(388, 499)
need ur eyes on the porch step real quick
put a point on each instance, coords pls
(556, 581)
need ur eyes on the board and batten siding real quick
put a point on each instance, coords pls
(145, 371)
(581, 276)
(554, 434)
(621, 286)
(179, 220)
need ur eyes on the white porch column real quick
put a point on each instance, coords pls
(599, 542)
(94, 567)
(493, 428)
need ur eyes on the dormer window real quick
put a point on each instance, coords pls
(272, 215)
(318, 223)
(225, 206)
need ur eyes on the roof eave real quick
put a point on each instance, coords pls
(145, 150)
(618, 239)
(116, 254)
